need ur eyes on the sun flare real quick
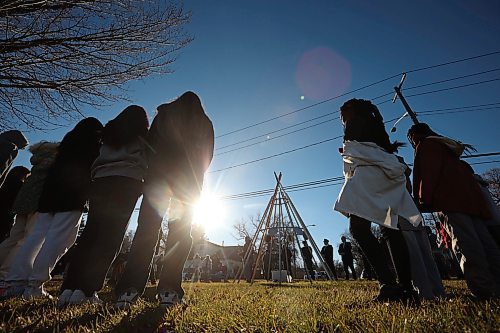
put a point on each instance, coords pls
(209, 212)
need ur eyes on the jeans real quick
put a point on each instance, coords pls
(361, 231)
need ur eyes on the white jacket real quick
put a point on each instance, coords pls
(375, 186)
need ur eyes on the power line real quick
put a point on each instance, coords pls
(309, 106)
(290, 151)
(326, 182)
(277, 137)
(425, 113)
(444, 89)
(437, 82)
(276, 131)
(358, 89)
(275, 155)
(334, 112)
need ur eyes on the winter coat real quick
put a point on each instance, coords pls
(345, 251)
(67, 184)
(180, 145)
(127, 161)
(327, 252)
(375, 186)
(442, 183)
(10, 143)
(43, 156)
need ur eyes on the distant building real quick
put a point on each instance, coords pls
(229, 255)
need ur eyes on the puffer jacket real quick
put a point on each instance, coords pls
(43, 156)
(127, 161)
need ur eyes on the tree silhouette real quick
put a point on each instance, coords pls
(58, 56)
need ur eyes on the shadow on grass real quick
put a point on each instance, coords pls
(148, 320)
(288, 285)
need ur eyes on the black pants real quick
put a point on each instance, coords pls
(360, 230)
(179, 185)
(349, 263)
(331, 265)
(112, 200)
(309, 266)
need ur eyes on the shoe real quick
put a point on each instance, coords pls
(126, 300)
(169, 299)
(64, 297)
(79, 297)
(389, 293)
(411, 297)
(13, 291)
(32, 292)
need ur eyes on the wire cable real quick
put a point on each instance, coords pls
(358, 89)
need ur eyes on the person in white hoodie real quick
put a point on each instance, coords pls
(375, 191)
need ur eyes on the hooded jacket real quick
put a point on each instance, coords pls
(180, 146)
(375, 186)
(10, 143)
(442, 183)
(43, 156)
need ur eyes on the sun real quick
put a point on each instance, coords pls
(209, 212)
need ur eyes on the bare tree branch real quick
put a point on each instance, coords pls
(57, 57)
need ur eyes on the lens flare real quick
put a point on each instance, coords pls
(209, 212)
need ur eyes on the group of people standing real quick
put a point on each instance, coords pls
(109, 167)
(378, 189)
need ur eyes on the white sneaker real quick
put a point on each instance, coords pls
(79, 297)
(126, 300)
(64, 297)
(169, 299)
(35, 291)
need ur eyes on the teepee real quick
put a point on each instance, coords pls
(277, 242)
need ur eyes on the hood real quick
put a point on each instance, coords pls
(43, 147)
(369, 153)
(16, 137)
(44, 153)
(455, 146)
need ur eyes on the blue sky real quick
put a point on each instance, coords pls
(253, 60)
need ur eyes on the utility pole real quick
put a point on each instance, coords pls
(407, 107)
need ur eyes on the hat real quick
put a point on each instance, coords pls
(326, 240)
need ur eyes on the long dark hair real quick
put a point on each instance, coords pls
(422, 130)
(364, 123)
(130, 124)
(81, 141)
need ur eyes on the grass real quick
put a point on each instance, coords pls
(262, 307)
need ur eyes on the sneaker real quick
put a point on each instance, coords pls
(168, 299)
(389, 293)
(411, 297)
(127, 299)
(34, 292)
(79, 297)
(64, 297)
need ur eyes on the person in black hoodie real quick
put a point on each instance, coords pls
(60, 209)
(180, 149)
(8, 192)
(10, 143)
(117, 174)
